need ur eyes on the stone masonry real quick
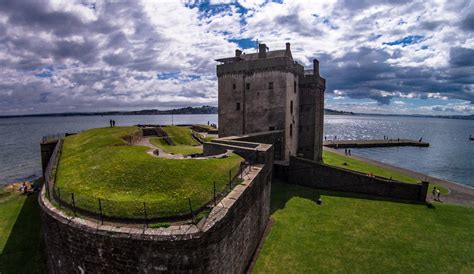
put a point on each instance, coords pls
(267, 91)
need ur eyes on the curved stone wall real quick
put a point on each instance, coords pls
(224, 242)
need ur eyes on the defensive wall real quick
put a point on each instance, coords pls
(313, 174)
(223, 242)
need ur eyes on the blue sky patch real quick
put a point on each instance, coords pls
(167, 75)
(405, 41)
(44, 74)
(244, 43)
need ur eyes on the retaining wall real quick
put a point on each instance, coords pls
(224, 242)
(310, 173)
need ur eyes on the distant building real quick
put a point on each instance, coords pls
(268, 91)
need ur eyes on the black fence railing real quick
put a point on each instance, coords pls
(104, 209)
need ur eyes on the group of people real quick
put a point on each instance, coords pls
(112, 123)
(436, 194)
(347, 152)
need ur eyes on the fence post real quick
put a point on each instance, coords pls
(214, 193)
(59, 197)
(191, 209)
(146, 216)
(100, 211)
(73, 204)
(241, 171)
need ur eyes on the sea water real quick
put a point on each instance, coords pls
(450, 155)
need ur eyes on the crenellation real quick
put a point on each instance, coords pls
(273, 92)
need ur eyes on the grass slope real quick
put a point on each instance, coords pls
(21, 245)
(350, 235)
(182, 137)
(338, 160)
(97, 163)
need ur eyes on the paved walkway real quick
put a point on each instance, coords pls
(458, 194)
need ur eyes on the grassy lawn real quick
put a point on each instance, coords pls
(182, 137)
(97, 163)
(351, 235)
(178, 149)
(21, 245)
(338, 160)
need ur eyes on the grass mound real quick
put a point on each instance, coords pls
(351, 235)
(182, 137)
(338, 160)
(97, 163)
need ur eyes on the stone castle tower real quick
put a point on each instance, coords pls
(267, 91)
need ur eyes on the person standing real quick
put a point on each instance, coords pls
(433, 193)
(438, 194)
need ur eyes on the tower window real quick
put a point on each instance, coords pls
(247, 86)
(270, 85)
(237, 106)
(294, 86)
(291, 106)
(291, 130)
(234, 86)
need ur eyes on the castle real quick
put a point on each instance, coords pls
(269, 91)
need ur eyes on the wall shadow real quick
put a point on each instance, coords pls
(282, 192)
(24, 251)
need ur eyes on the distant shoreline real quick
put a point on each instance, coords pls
(206, 110)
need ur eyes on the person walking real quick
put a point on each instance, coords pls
(110, 122)
(438, 194)
(433, 193)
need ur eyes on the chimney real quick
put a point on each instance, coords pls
(238, 52)
(315, 67)
(262, 51)
(288, 50)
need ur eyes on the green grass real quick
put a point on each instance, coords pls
(21, 245)
(185, 144)
(178, 149)
(338, 160)
(351, 235)
(181, 135)
(97, 163)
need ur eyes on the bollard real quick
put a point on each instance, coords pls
(191, 209)
(100, 212)
(73, 204)
(145, 213)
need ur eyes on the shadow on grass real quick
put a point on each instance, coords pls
(282, 192)
(24, 249)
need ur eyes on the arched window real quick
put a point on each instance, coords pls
(291, 106)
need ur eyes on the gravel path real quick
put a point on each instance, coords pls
(458, 194)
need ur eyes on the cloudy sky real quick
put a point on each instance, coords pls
(377, 56)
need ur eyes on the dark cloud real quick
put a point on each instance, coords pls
(462, 57)
(365, 73)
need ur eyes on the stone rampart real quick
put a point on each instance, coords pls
(223, 242)
(310, 173)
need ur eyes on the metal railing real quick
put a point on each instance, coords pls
(103, 209)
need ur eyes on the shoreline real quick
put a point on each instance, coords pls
(458, 193)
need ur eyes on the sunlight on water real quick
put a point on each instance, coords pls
(450, 156)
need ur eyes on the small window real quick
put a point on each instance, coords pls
(271, 128)
(234, 86)
(294, 86)
(291, 106)
(237, 106)
(270, 85)
(291, 130)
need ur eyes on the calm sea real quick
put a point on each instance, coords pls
(450, 156)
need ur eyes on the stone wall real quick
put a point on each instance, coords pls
(224, 242)
(310, 173)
